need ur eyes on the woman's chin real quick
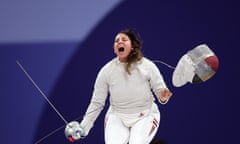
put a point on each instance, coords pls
(122, 59)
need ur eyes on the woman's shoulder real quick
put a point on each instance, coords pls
(146, 61)
(109, 65)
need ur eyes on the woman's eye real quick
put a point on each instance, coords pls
(118, 40)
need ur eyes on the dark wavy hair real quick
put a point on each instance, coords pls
(136, 54)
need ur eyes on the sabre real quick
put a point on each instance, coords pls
(54, 108)
(33, 82)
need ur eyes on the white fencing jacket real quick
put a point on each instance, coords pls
(129, 94)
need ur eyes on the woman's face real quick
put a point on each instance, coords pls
(122, 46)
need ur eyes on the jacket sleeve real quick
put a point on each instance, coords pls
(157, 82)
(97, 103)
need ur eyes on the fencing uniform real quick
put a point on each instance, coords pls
(132, 117)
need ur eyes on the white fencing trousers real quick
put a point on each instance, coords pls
(141, 131)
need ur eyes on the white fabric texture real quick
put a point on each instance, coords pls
(129, 94)
(183, 72)
(143, 127)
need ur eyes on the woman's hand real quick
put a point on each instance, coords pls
(164, 95)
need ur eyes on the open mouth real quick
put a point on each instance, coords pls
(121, 49)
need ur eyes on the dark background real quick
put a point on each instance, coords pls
(66, 71)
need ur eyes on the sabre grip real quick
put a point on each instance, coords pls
(74, 131)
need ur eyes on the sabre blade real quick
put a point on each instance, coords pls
(33, 82)
(48, 135)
